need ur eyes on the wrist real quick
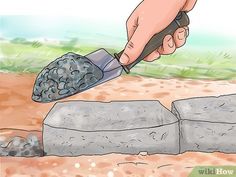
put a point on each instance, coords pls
(180, 4)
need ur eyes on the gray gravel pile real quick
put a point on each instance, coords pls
(21, 147)
(66, 76)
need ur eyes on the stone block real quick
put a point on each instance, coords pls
(207, 124)
(129, 127)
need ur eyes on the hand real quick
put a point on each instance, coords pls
(151, 17)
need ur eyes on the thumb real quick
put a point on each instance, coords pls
(135, 46)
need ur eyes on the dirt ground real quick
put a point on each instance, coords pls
(18, 111)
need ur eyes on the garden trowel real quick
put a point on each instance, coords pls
(73, 73)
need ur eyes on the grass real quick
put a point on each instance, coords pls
(191, 64)
(31, 57)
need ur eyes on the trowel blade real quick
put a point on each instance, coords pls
(107, 63)
(72, 73)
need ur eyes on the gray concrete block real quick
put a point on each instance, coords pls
(207, 124)
(89, 128)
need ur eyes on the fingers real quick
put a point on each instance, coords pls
(153, 56)
(180, 36)
(170, 43)
(168, 46)
(131, 25)
(187, 31)
(140, 38)
(135, 45)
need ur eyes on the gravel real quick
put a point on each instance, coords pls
(66, 76)
(21, 147)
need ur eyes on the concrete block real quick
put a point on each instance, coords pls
(207, 124)
(130, 127)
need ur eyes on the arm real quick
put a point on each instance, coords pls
(151, 17)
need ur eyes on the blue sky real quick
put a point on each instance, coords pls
(103, 21)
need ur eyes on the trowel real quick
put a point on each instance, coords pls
(72, 73)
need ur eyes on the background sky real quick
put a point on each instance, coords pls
(93, 21)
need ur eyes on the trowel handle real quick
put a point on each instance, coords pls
(156, 41)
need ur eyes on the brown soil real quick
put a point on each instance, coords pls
(18, 111)
(112, 165)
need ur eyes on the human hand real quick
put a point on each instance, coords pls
(151, 17)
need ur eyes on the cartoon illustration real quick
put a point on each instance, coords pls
(90, 103)
(54, 82)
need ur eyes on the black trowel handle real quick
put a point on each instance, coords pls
(181, 20)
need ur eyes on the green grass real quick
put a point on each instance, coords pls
(31, 57)
(191, 64)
